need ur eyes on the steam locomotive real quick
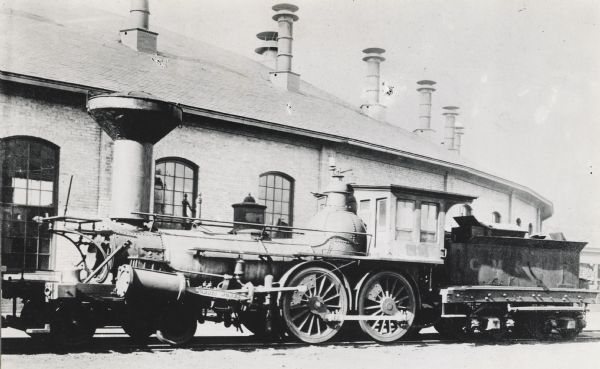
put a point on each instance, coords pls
(478, 279)
(400, 273)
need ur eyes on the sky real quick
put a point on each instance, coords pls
(525, 75)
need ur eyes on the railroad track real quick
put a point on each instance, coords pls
(120, 343)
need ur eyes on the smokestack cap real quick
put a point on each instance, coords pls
(450, 110)
(285, 9)
(373, 53)
(426, 84)
(269, 42)
(135, 115)
(267, 36)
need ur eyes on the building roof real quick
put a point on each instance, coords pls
(78, 46)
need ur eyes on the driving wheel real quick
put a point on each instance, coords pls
(304, 312)
(386, 294)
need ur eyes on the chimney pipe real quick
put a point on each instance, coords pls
(138, 37)
(372, 107)
(139, 14)
(268, 48)
(458, 133)
(424, 129)
(283, 75)
(450, 128)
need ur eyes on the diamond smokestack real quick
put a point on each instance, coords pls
(283, 75)
(426, 89)
(372, 106)
(268, 48)
(450, 112)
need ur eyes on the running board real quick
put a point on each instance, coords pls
(546, 308)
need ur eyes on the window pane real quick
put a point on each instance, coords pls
(19, 196)
(404, 214)
(429, 215)
(381, 213)
(278, 182)
(189, 186)
(178, 184)
(170, 168)
(364, 210)
(46, 198)
(286, 184)
(179, 172)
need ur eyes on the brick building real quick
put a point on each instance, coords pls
(248, 127)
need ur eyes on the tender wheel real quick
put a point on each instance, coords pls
(538, 327)
(303, 312)
(71, 325)
(384, 294)
(177, 325)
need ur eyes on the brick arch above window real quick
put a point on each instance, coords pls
(175, 179)
(276, 191)
(29, 169)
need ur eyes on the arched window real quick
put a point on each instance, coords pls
(276, 191)
(518, 222)
(175, 180)
(29, 188)
(466, 210)
(496, 217)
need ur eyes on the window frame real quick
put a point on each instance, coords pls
(264, 200)
(53, 209)
(176, 159)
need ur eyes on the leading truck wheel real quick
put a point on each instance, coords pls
(304, 312)
(387, 294)
(177, 325)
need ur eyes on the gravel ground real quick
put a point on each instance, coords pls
(530, 355)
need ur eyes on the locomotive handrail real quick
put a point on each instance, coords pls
(270, 226)
(67, 219)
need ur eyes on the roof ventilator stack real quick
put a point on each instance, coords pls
(450, 112)
(372, 106)
(424, 129)
(283, 76)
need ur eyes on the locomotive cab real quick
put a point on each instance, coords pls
(407, 222)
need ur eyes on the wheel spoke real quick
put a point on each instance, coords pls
(312, 320)
(303, 322)
(322, 285)
(328, 289)
(331, 298)
(372, 307)
(300, 314)
(298, 306)
(398, 293)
